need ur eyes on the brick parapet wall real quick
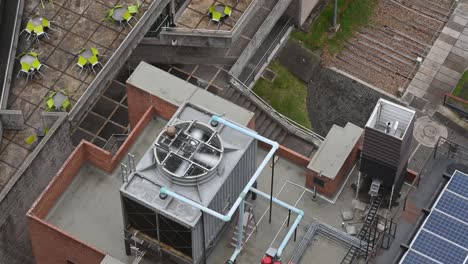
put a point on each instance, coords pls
(139, 101)
(52, 245)
(331, 186)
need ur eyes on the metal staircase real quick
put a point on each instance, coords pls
(250, 225)
(368, 233)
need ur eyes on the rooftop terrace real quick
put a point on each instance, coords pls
(195, 16)
(76, 24)
(98, 222)
(89, 210)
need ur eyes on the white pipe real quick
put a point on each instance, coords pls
(300, 215)
(228, 216)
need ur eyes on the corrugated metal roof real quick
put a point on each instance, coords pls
(333, 152)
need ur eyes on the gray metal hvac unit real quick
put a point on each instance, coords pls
(209, 164)
(386, 146)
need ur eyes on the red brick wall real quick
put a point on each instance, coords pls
(288, 154)
(330, 187)
(139, 101)
(411, 175)
(59, 182)
(52, 246)
(133, 136)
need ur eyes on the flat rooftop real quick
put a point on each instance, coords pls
(90, 208)
(335, 149)
(98, 222)
(76, 24)
(195, 15)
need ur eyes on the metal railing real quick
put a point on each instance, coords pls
(114, 140)
(157, 26)
(265, 58)
(290, 125)
(457, 104)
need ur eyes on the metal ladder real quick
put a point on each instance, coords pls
(250, 225)
(367, 233)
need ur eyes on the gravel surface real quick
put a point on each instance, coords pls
(385, 53)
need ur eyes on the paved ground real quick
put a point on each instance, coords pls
(195, 15)
(76, 24)
(444, 64)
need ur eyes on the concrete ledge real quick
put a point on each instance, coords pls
(12, 119)
(259, 36)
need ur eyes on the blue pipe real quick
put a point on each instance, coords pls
(300, 215)
(227, 217)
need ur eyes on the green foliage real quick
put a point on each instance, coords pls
(286, 94)
(461, 90)
(352, 14)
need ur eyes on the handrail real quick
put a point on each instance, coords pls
(457, 104)
(268, 52)
(290, 125)
(456, 98)
(116, 137)
(196, 30)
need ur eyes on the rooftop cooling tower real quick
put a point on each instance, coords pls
(386, 147)
(207, 164)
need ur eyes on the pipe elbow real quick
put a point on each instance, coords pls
(301, 213)
(226, 218)
(163, 190)
(275, 145)
(214, 118)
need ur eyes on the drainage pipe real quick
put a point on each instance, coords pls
(227, 217)
(300, 215)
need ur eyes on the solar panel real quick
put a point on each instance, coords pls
(414, 258)
(447, 227)
(443, 237)
(453, 205)
(459, 184)
(438, 249)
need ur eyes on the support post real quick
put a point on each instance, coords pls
(203, 236)
(335, 25)
(158, 234)
(271, 187)
(390, 203)
(240, 229)
(357, 186)
(289, 217)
